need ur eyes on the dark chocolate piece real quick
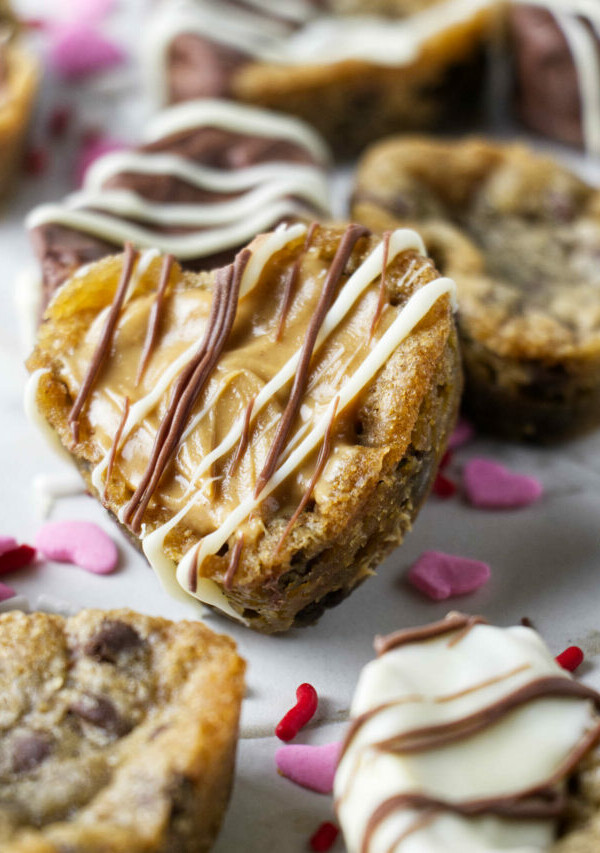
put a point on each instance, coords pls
(112, 638)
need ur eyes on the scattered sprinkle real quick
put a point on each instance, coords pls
(570, 659)
(7, 543)
(79, 542)
(489, 485)
(6, 592)
(309, 766)
(324, 838)
(446, 459)
(16, 558)
(36, 161)
(77, 50)
(94, 145)
(443, 487)
(59, 121)
(298, 716)
(463, 433)
(441, 576)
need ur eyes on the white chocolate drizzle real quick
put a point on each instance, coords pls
(432, 685)
(321, 40)
(267, 193)
(315, 423)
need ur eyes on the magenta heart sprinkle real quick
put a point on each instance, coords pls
(310, 766)
(489, 485)
(79, 542)
(441, 576)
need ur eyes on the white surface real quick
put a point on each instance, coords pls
(545, 560)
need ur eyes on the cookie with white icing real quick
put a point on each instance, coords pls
(520, 235)
(466, 737)
(556, 51)
(208, 177)
(355, 70)
(267, 432)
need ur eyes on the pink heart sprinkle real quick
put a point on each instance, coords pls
(440, 575)
(77, 51)
(310, 766)
(489, 485)
(79, 542)
(6, 592)
(92, 148)
(463, 433)
(7, 543)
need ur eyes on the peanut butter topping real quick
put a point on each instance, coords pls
(205, 416)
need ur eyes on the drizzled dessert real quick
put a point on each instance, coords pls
(465, 737)
(119, 732)
(208, 177)
(520, 235)
(267, 432)
(18, 87)
(556, 47)
(355, 70)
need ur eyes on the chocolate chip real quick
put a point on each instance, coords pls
(30, 750)
(100, 712)
(111, 638)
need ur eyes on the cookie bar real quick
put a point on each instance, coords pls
(18, 87)
(209, 176)
(267, 432)
(118, 732)
(467, 737)
(556, 55)
(354, 71)
(521, 236)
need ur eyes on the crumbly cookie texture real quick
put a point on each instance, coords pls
(521, 237)
(286, 480)
(118, 732)
(468, 736)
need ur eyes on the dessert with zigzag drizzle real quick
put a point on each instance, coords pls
(266, 432)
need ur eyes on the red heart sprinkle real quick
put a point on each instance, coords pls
(443, 487)
(324, 838)
(15, 559)
(570, 659)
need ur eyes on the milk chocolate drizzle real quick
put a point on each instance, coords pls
(115, 446)
(234, 562)
(189, 386)
(102, 350)
(452, 622)
(345, 248)
(543, 801)
(321, 462)
(155, 317)
(291, 280)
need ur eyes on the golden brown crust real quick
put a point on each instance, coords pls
(394, 437)
(519, 235)
(161, 787)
